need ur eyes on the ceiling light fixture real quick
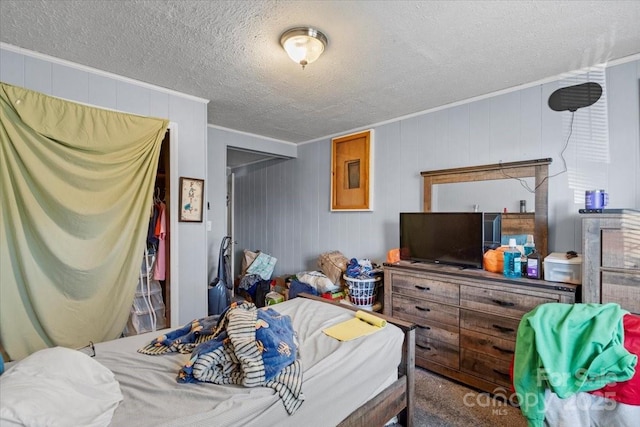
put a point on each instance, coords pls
(303, 44)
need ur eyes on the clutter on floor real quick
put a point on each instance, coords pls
(351, 281)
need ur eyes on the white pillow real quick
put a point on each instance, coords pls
(318, 280)
(58, 387)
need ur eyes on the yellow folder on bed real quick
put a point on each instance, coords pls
(362, 324)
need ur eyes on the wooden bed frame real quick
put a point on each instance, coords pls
(398, 397)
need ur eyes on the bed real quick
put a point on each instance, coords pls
(364, 382)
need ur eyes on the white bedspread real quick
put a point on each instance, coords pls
(338, 378)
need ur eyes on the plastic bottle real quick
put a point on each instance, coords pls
(517, 264)
(529, 247)
(512, 266)
(534, 266)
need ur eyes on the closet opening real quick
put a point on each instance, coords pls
(151, 309)
(164, 189)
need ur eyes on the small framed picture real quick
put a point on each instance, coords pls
(191, 194)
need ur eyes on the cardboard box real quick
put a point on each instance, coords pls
(558, 268)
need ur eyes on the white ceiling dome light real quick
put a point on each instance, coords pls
(303, 44)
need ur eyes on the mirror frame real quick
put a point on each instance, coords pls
(514, 223)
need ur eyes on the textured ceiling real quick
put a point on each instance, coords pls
(385, 59)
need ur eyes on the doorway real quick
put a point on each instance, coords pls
(230, 224)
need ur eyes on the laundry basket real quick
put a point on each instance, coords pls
(362, 292)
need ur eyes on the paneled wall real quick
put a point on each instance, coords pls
(188, 116)
(283, 209)
(219, 139)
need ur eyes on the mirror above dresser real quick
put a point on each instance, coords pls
(534, 172)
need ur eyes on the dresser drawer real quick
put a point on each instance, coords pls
(420, 311)
(437, 331)
(420, 287)
(616, 252)
(499, 302)
(438, 352)
(486, 367)
(487, 344)
(501, 327)
(622, 288)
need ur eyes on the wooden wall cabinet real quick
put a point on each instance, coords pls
(466, 320)
(611, 259)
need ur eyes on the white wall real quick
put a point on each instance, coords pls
(283, 209)
(219, 139)
(77, 83)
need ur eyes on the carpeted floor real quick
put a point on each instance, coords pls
(444, 403)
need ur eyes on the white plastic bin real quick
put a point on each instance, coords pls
(141, 323)
(558, 268)
(140, 305)
(154, 287)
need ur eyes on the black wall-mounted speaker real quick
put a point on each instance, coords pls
(573, 97)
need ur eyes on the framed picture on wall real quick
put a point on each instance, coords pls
(351, 181)
(191, 194)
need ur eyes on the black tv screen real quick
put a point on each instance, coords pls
(455, 238)
(492, 230)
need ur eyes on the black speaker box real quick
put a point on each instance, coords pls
(573, 97)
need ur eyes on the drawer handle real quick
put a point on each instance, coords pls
(503, 329)
(422, 308)
(424, 347)
(503, 350)
(503, 303)
(428, 328)
(422, 288)
(502, 373)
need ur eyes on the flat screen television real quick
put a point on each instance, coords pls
(492, 230)
(455, 238)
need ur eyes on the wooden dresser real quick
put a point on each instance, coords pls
(611, 259)
(466, 320)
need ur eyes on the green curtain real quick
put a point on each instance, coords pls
(76, 188)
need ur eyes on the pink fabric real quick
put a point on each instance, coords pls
(160, 269)
(628, 391)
